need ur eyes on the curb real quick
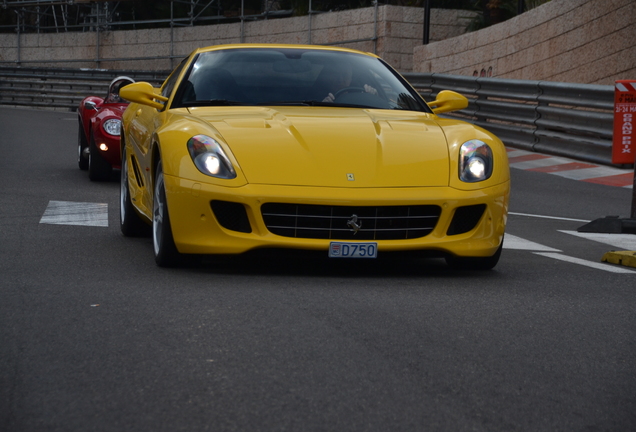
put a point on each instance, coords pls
(626, 258)
(570, 168)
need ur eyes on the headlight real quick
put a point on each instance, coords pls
(475, 161)
(112, 127)
(209, 157)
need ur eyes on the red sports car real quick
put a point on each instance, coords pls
(99, 128)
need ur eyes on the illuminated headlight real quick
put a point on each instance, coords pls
(475, 161)
(112, 127)
(209, 157)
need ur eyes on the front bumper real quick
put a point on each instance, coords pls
(196, 230)
(113, 154)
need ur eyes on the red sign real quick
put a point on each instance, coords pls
(624, 144)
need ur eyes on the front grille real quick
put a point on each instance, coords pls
(340, 222)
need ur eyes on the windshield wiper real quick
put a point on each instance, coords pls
(288, 103)
(312, 103)
(212, 102)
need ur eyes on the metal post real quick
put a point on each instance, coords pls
(171, 34)
(375, 28)
(65, 16)
(18, 33)
(309, 27)
(520, 7)
(427, 21)
(57, 29)
(97, 38)
(242, 21)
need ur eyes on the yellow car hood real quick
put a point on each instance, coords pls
(333, 147)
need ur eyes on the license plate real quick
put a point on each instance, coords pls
(353, 250)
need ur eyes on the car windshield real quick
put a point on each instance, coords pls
(290, 76)
(114, 87)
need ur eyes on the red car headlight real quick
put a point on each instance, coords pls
(112, 127)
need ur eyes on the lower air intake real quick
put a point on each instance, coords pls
(465, 219)
(231, 216)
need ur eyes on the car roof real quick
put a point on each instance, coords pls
(281, 46)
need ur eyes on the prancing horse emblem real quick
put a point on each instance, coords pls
(354, 225)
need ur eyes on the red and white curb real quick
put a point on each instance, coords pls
(568, 168)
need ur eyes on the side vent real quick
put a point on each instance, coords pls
(138, 177)
(465, 219)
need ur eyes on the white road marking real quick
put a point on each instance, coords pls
(620, 241)
(592, 264)
(514, 242)
(517, 152)
(75, 213)
(539, 163)
(548, 217)
(590, 173)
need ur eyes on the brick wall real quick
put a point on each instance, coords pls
(579, 41)
(398, 29)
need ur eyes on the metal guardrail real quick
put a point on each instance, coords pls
(62, 87)
(571, 120)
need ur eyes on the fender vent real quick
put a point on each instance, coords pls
(138, 177)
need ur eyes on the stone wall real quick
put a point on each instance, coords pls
(579, 41)
(393, 34)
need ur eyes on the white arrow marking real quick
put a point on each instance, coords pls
(514, 242)
(620, 241)
(75, 213)
(592, 264)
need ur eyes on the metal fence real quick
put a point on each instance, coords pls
(571, 120)
(62, 88)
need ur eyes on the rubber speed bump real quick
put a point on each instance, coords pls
(626, 258)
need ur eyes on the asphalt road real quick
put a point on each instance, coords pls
(95, 337)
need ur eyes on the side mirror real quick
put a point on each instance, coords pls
(143, 93)
(90, 105)
(448, 101)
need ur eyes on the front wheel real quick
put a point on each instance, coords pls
(166, 254)
(129, 221)
(98, 168)
(475, 263)
(82, 148)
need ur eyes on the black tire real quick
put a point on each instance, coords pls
(130, 222)
(82, 145)
(475, 263)
(166, 254)
(98, 168)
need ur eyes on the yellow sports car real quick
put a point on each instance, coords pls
(307, 147)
